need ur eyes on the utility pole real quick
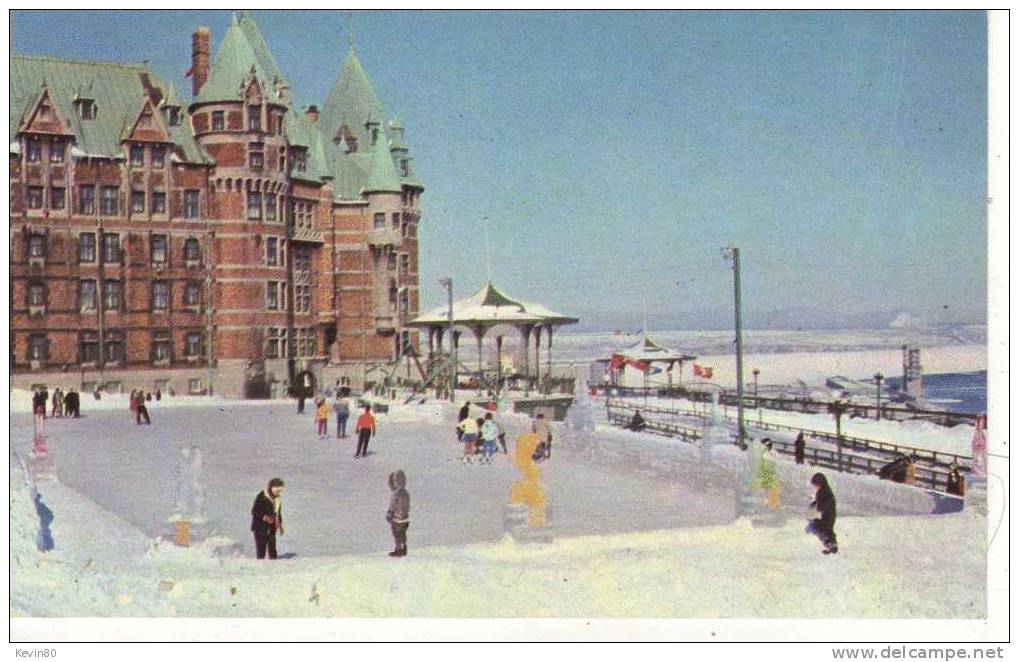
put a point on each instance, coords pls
(448, 284)
(732, 253)
(878, 378)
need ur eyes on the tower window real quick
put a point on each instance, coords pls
(218, 120)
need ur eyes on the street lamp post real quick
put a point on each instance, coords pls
(837, 408)
(878, 379)
(448, 284)
(732, 253)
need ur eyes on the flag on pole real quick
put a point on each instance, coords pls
(702, 371)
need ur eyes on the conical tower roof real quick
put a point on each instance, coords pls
(382, 177)
(353, 101)
(235, 62)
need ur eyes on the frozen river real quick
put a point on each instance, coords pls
(335, 504)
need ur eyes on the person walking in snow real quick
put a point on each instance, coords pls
(267, 518)
(799, 448)
(322, 419)
(489, 434)
(398, 514)
(365, 431)
(823, 526)
(467, 430)
(342, 409)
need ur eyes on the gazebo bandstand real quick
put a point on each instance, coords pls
(487, 309)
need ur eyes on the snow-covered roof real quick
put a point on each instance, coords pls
(488, 306)
(646, 349)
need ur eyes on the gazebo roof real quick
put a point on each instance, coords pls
(490, 307)
(646, 349)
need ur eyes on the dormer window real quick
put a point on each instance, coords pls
(375, 136)
(57, 152)
(405, 167)
(171, 114)
(86, 109)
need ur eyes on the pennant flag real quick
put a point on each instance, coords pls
(617, 362)
(655, 371)
(640, 365)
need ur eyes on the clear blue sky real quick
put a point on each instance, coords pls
(615, 153)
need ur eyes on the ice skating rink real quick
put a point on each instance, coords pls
(335, 504)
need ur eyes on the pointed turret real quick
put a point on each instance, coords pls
(382, 178)
(236, 63)
(353, 102)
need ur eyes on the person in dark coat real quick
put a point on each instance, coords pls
(73, 403)
(398, 514)
(799, 448)
(267, 518)
(637, 423)
(823, 526)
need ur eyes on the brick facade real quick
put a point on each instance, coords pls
(165, 272)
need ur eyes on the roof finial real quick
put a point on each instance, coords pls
(350, 29)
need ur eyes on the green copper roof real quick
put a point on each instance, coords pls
(259, 47)
(382, 177)
(235, 62)
(117, 90)
(352, 100)
(303, 132)
(172, 97)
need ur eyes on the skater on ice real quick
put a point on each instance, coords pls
(267, 518)
(489, 434)
(398, 514)
(823, 526)
(365, 431)
(467, 432)
(58, 403)
(141, 411)
(322, 419)
(637, 423)
(799, 448)
(465, 413)
(956, 482)
(541, 428)
(342, 409)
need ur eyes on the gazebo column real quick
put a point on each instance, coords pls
(431, 343)
(479, 335)
(537, 358)
(456, 351)
(498, 365)
(549, 359)
(525, 333)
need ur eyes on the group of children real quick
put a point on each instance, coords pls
(365, 428)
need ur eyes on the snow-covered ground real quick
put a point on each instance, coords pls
(637, 532)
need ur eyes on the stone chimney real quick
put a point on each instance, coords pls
(200, 41)
(312, 113)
